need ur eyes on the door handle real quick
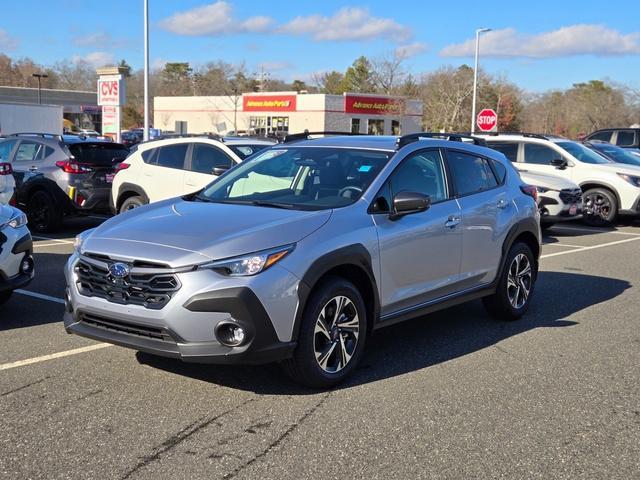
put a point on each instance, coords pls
(33, 168)
(502, 203)
(452, 221)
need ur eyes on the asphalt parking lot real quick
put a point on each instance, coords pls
(452, 395)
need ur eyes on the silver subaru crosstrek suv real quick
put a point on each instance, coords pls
(299, 253)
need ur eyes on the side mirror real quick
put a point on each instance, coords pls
(405, 203)
(559, 163)
(219, 170)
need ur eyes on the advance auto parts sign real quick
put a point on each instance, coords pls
(373, 105)
(269, 103)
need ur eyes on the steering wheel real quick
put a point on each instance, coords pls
(344, 190)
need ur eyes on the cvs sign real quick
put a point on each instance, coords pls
(111, 90)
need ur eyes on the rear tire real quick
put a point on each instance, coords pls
(600, 206)
(5, 296)
(330, 345)
(131, 203)
(43, 212)
(515, 287)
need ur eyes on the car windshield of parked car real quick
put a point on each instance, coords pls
(244, 151)
(301, 178)
(583, 153)
(617, 154)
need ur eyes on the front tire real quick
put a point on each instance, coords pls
(332, 335)
(131, 203)
(515, 286)
(43, 212)
(601, 207)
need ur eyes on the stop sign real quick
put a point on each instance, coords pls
(487, 120)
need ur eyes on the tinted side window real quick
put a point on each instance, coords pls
(5, 150)
(539, 154)
(205, 158)
(500, 169)
(471, 174)
(148, 156)
(422, 172)
(172, 156)
(28, 151)
(626, 138)
(510, 150)
(603, 136)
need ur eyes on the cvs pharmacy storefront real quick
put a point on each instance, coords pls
(279, 113)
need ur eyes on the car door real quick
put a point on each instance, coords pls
(164, 171)
(537, 157)
(7, 182)
(27, 162)
(205, 164)
(487, 212)
(420, 252)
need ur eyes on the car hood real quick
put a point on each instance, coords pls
(622, 168)
(546, 181)
(6, 212)
(179, 233)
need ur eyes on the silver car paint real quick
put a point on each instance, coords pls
(406, 270)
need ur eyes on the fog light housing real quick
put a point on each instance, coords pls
(26, 265)
(67, 301)
(230, 334)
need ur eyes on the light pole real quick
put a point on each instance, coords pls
(145, 133)
(39, 76)
(475, 78)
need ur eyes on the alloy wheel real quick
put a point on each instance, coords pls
(519, 281)
(335, 336)
(598, 205)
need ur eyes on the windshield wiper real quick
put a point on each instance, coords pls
(267, 203)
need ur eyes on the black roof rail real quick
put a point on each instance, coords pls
(453, 137)
(53, 136)
(211, 136)
(522, 134)
(306, 134)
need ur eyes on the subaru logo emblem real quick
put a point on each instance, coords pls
(119, 270)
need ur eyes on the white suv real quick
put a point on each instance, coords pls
(171, 167)
(609, 189)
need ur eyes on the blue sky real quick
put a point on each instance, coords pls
(539, 46)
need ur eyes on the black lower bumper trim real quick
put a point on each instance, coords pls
(19, 281)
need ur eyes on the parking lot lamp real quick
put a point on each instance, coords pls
(475, 78)
(39, 76)
(145, 134)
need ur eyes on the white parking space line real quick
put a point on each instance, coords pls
(52, 239)
(562, 245)
(582, 249)
(44, 358)
(41, 296)
(37, 245)
(593, 230)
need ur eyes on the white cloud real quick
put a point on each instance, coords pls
(566, 41)
(212, 20)
(97, 40)
(95, 59)
(7, 42)
(349, 23)
(411, 50)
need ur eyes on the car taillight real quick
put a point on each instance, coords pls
(122, 166)
(531, 191)
(72, 167)
(6, 168)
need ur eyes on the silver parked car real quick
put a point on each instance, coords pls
(300, 252)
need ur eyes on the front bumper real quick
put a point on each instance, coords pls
(15, 246)
(185, 327)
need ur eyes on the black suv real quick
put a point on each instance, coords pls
(57, 176)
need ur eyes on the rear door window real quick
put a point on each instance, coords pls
(172, 156)
(626, 138)
(602, 136)
(471, 174)
(29, 151)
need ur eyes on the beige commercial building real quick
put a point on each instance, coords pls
(288, 112)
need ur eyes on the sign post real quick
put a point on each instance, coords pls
(111, 97)
(487, 120)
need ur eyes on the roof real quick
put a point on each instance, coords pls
(380, 142)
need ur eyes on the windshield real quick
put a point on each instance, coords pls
(301, 178)
(244, 151)
(617, 154)
(582, 153)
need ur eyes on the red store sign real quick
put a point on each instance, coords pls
(373, 105)
(269, 103)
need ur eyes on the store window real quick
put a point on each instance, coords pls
(355, 125)
(375, 127)
(395, 127)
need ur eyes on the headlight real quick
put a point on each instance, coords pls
(250, 264)
(18, 220)
(80, 238)
(633, 180)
